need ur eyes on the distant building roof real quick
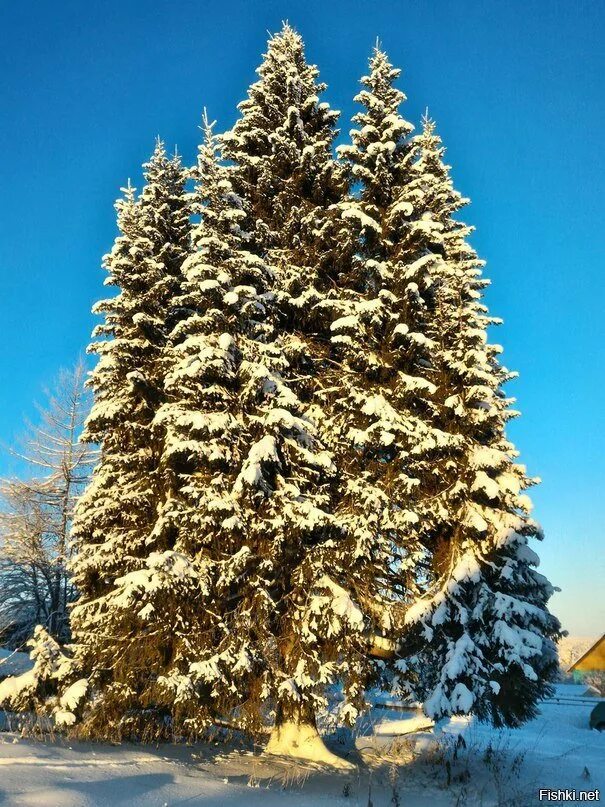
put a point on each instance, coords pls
(593, 658)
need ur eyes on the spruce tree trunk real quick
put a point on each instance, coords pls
(295, 735)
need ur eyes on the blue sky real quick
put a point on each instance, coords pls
(517, 91)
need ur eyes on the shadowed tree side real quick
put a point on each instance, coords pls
(487, 638)
(379, 390)
(463, 592)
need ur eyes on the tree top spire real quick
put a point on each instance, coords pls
(381, 65)
(207, 127)
(428, 124)
(287, 36)
(128, 190)
(159, 148)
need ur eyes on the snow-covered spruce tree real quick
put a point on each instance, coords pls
(486, 633)
(413, 354)
(292, 191)
(379, 396)
(285, 174)
(114, 519)
(251, 487)
(36, 690)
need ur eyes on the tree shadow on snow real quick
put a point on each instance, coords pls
(121, 789)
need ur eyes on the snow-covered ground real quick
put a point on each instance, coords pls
(485, 768)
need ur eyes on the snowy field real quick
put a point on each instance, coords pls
(485, 767)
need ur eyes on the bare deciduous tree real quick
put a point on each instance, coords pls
(35, 514)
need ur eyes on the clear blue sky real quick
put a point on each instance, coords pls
(517, 90)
